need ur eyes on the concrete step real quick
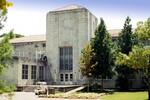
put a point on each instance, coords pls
(75, 90)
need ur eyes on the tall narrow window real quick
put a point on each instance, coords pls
(61, 77)
(71, 77)
(41, 72)
(24, 71)
(66, 77)
(66, 58)
(33, 72)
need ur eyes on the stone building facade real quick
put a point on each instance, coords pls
(67, 31)
(26, 66)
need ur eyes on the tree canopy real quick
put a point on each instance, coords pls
(102, 49)
(143, 30)
(139, 57)
(85, 61)
(126, 40)
(11, 35)
(3, 11)
(5, 53)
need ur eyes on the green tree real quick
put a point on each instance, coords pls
(5, 46)
(102, 49)
(126, 41)
(138, 58)
(5, 53)
(143, 30)
(3, 11)
(11, 35)
(85, 61)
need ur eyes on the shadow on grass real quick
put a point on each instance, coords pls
(98, 90)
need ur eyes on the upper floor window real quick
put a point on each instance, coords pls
(66, 57)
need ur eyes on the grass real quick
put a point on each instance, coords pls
(126, 96)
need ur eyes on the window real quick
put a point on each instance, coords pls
(71, 77)
(66, 58)
(43, 44)
(61, 77)
(41, 72)
(33, 72)
(66, 77)
(24, 71)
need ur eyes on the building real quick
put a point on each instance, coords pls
(26, 67)
(67, 31)
(54, 57)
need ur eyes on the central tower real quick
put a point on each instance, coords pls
(68, 29)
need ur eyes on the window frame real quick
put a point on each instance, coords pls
(33, 71)
(24, 71)
(66, 58)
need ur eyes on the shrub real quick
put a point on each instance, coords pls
(122, 83)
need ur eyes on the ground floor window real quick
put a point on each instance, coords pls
(71, 77)
(33, 72)
(41, 72)
(61, 77)
(24, 71)
(66, 77)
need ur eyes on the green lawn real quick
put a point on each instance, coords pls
(126, 96)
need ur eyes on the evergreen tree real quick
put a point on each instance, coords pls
(102, 49)
(126, 41)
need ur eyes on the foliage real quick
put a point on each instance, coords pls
(138, 58)
(5, 47)
(5, 53)
(85, 61)
(102, 49)
(3, 11)
(143, 30)
(122, 83)
(126, 40)
(6, 88)
(95, 87)
(4, 4)
(11, 35)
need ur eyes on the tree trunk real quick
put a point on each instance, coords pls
(88, 87)
(102, 82)
(149, 82)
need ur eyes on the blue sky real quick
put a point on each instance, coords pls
(28, 17)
